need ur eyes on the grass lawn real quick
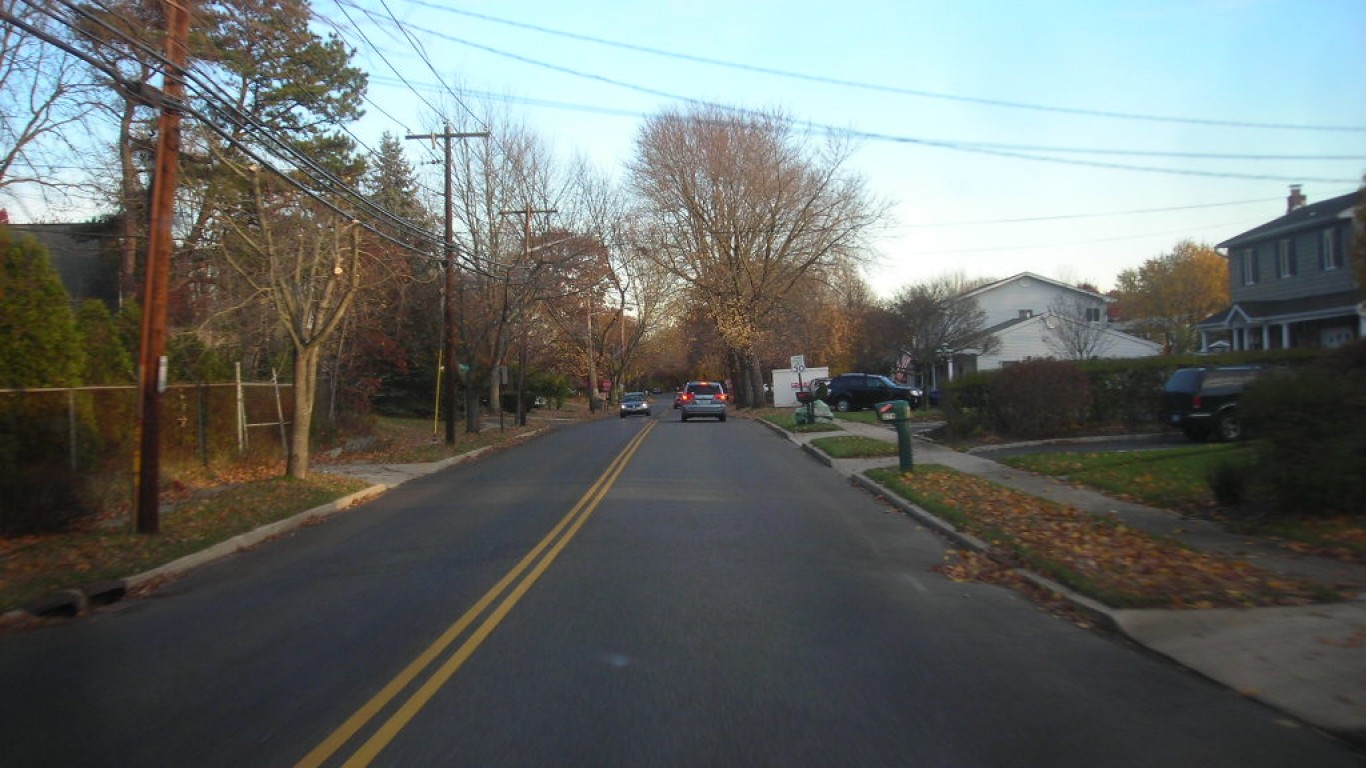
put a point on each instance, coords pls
(1091, 554)
(785, 418)
(104, 550)
(854, 447)
(1172, 478)
(1177, 479)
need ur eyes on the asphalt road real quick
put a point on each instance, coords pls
(617, 593)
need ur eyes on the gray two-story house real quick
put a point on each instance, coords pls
(1291, 281)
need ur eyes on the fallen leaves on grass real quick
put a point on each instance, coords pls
(854, 447)
(33, 566)
(1094, 555)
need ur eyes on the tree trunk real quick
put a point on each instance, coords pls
(305, 393)
(496, 389)
(472, 401)
(756, 381)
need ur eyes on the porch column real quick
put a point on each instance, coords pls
(1285, 335)
(1266, 337)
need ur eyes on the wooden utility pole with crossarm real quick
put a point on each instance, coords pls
(448, 313)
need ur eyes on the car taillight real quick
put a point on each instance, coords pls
(1195, 401)
(720, 398)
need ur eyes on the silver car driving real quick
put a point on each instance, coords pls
(703, 398)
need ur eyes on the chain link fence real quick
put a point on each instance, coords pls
(68, 452)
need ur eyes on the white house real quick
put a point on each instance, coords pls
(1034, 317)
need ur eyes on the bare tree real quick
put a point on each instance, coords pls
(642, 292)
(1076, 330)
(298, 258)
(501, 182)
(743, 210)
(936, 322)
(45, 93)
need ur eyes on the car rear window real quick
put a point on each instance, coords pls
(1185, 380)
(1227, 380)
(705, 389)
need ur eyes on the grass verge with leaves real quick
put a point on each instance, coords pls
(1175, 478)
(1094, 555)
(1187, 480)
(854, 447)
(202, 507)
(784, 417)
(34, 566)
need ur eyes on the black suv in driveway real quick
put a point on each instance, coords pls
(854, 391)
(1204, 401)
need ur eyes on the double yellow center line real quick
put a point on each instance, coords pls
(515, 584)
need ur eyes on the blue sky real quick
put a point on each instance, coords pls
(1019, 78)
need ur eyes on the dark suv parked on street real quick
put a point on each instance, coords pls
(854, 391)
(1204, 401)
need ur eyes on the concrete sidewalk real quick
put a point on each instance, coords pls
(1308, 662)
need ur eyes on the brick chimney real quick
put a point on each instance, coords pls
(1296, 199)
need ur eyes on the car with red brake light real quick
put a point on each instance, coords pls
(1203, 401)
(702, 398)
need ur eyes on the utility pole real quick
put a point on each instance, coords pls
(525, 213)
(449, 245)
(151, 354)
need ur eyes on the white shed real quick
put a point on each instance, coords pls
(785, 386)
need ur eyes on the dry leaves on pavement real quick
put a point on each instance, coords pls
(1094, 555)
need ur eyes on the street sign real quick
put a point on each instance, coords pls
(799, 363)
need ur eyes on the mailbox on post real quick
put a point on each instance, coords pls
(898, 412)
(894, 410)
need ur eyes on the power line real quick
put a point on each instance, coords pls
(1120, 238)
(876, 136)
(885, 88)
(588, 108)
(1063, 217)
(324, 182)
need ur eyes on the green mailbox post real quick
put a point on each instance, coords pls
(898, 412)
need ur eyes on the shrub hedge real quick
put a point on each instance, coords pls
(1124, 393)
(1310, 425)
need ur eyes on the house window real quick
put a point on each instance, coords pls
(1330, 249)
(1025, 314)
(1285, 258)
(1093, 314)
(1249, 264)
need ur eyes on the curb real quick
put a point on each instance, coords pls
(1098, 612)
(1101, 614)
(76, 600)
(73, 601)
(250, 539)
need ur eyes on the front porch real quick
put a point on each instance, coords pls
(1254, 326)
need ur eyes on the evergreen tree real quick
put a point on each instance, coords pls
(39, 347)
(388, 359)
(39, 343)
(106, 358)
